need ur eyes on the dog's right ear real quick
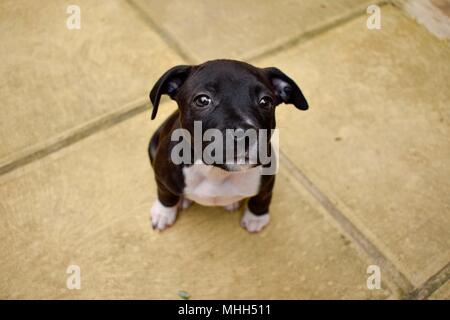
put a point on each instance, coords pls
(169, 83)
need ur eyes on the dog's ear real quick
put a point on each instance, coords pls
(169, 83)
(286, 89)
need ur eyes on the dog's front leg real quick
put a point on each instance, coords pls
(164, 210)
(256, 215)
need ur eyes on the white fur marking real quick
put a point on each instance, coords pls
(233, 206)
(162, 216)
(254, 223)
(212, 186)
(185, 203)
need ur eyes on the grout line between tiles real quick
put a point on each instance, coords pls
(431, 285)
(165, 36)
(313, 33)
(398, 278)
(72, 136)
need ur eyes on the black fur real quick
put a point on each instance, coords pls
(235, 89)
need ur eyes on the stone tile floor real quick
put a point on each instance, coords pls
(364, 178)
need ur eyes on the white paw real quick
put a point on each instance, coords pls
(161, 216)
(185, 203)
(233, 206)
(254, 223)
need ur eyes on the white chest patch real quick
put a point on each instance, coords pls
(212, 186)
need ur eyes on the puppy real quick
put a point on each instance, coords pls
(214, 99)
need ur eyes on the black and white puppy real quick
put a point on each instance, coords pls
(219, 94)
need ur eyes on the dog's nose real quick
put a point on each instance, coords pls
(241, 132)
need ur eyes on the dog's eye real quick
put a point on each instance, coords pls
(202, 100)
(266, 102)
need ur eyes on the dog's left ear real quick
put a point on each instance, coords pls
(169, 83)
(286, 89)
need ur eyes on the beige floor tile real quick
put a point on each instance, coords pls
(88, 205)
(376, 137)
(54, 79)
(241, 29)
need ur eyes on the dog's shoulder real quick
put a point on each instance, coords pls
(159, 149)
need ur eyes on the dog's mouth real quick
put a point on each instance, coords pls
(235, 159)
(235, 167)
(240, 167)
(244, 160)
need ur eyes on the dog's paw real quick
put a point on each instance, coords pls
(161, 216)
(232, 206)
(185, 203)
(254, 223)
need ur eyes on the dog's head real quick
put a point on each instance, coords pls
(227, 94)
